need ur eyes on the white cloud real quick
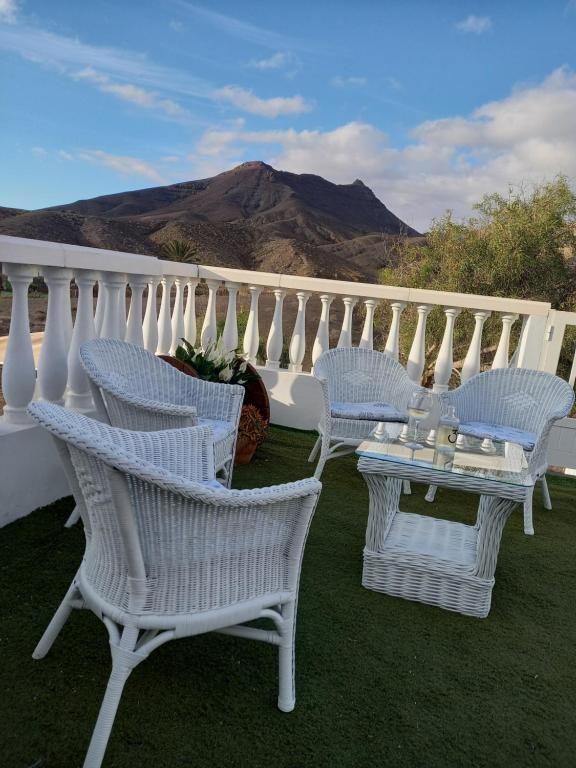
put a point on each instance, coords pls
(344, 82)
(477, 25)
(249, 102)
(131, 93)
(8, 10)
(123, 164)
(65, 155)
(39, 151)
(528, 136)
(276, 61)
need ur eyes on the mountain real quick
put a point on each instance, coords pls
(251, 217)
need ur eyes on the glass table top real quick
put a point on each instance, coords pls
(501, 462)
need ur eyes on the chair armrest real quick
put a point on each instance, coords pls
(129, 411)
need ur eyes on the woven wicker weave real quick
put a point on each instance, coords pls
(168, 556)
(521, 398)
(133, 389)
(353, 375)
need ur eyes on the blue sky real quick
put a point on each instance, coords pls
(432, 104)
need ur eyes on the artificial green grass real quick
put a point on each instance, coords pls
(380, 681)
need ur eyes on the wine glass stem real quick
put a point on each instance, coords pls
(416, 422)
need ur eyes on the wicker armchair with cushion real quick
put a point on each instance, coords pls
(170, 553)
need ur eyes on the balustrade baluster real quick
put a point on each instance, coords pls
(134, 329)
(84, 329)
(209, 326)
(53, 363)
(230, 332)
(345, 339)
(417, 354)
(472, 361)
(521, 343)
(298, 341)
(150, 325)
(165, 319)
(367, 339)
(19, 370)
(114, 285)
(276, 335)
(178, 314)
(252, 333)
(503, 350)
(322, 340)
(190, 313)
(121, 332)
(445, 359)
(392, 347)
(100, 306)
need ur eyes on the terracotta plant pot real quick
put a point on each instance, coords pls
(245, 449)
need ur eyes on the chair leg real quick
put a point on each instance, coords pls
(406, 487)
(286, 685)
(431, 494)
(528, 522)
(58, 620)
(123, 662)
(546, 493)
(74, 517)
(314, 451)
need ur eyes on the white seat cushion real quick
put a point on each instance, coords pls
(483, 431)
(367, 412)
(220, 429)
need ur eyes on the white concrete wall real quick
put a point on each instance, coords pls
(30, 470)
(295, 398)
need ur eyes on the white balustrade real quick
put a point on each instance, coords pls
(345, 339)
(322, 340)
(19, 370)
(134, 327)
(445, 359)
(276, 336)
(503, 350)
(252, 333)
(150, 325)
(178, 314)
(392, 347)
(472, 361)
(53, 362)
(190, 312)
(165, 318)
(79, 396)
(114, 284)
(298, 342)
(367, 338)
(417, 355)
(209, 331)
(100, 306)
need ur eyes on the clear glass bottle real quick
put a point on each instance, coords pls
(446, 436)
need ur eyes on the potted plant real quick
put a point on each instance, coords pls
(216, 364)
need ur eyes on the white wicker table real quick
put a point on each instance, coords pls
(439, 562)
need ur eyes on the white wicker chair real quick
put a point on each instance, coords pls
(133, 389)
(170, 553)
(360, 388)
(515, 404)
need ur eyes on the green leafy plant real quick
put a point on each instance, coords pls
(179, 250)
(215, 363)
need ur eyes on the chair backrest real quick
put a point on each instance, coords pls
(113, 364)
(357, 375)
(125, 478)
(513, 397)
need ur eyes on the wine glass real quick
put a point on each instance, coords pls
(419, 406)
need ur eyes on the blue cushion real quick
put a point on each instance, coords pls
(367, 412)
(482, 430)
